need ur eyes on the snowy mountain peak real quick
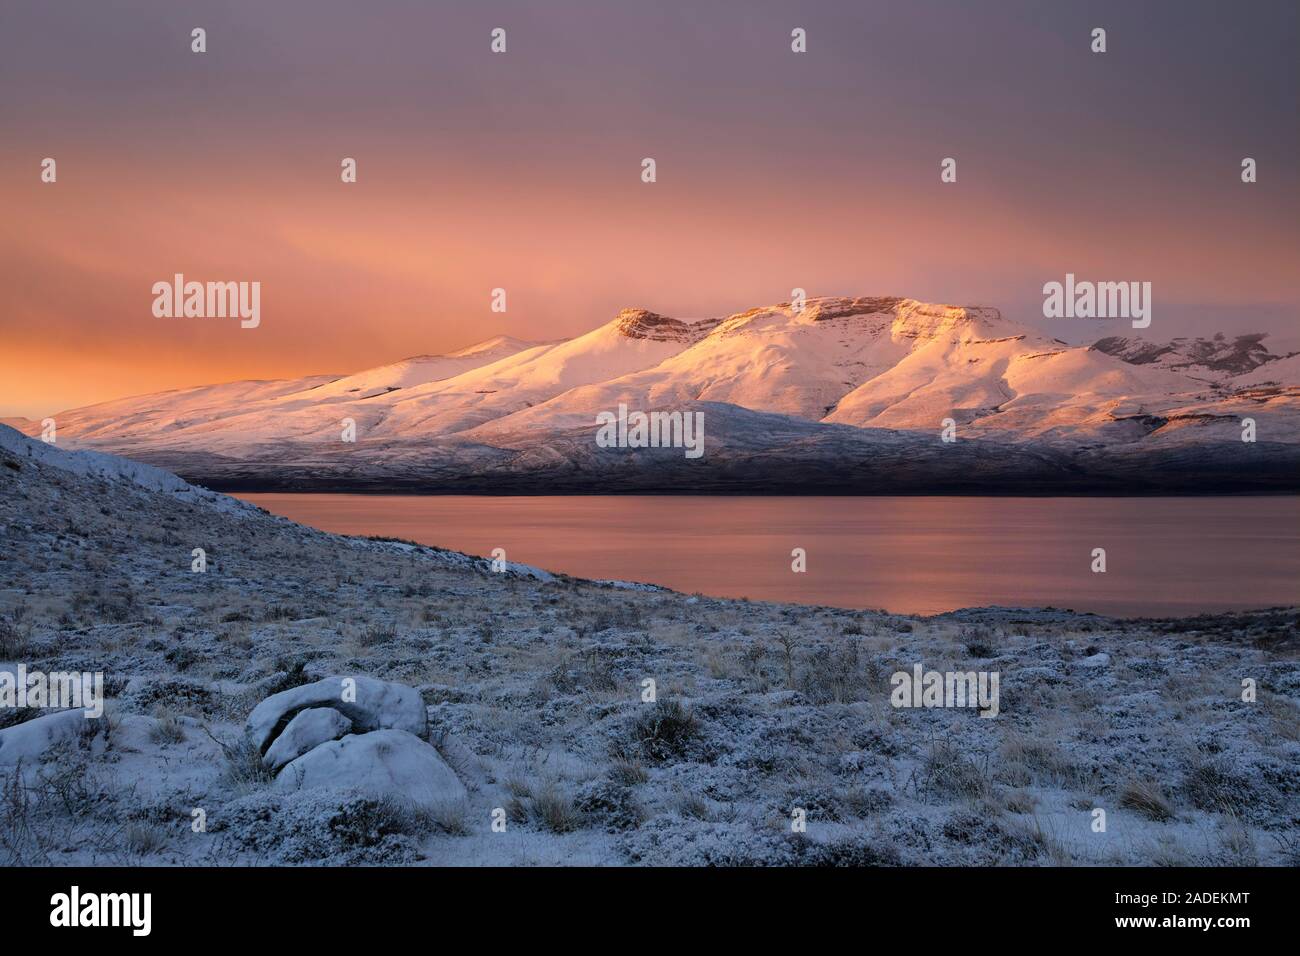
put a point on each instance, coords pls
(826, 308)
(904, 319)
(927, 321)
(819, 309)
(643, 324)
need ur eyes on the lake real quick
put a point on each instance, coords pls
(915, 555)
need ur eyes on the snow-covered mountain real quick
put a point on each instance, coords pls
(790, 395)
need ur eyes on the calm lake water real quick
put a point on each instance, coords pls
(1164, 556)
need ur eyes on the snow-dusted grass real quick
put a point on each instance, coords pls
(534, 692)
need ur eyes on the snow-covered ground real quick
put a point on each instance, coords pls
(532, 686)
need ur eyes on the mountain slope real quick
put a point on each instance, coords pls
(1018, 387)
(417, 370)
(236, 416)
(164, 416)
(634, 340)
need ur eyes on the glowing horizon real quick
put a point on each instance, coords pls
(522, 171)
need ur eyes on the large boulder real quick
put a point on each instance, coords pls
(31, 739)
(309, 729)
(383, 763)
(375, 705)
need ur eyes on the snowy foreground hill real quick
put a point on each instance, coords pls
(844, 394)
(517, 699)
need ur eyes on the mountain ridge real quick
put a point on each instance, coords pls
(507, 409)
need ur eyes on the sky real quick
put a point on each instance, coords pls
(522, 171)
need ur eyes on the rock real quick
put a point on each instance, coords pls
(1096, 660)
(379, 705)
(309, 729)
(32, 738)
(383, 763)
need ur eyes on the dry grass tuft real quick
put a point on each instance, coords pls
(1146, 797)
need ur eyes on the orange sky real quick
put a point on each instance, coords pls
(775, 171)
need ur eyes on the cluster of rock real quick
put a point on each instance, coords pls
(352, 733)
(31, 739)
(343, 733)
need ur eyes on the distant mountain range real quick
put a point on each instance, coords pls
(843, 395)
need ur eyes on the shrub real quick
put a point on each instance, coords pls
(142, 839)
(451, 817)
(609, 804)
(947, 772)
(377, 634)
(1147, 799)
(662, 732)
(628, 773)
(324, 826)
(976, 640)
(167, 729)
(13, 643)
(555, 811)
(1215, 785)
(244, 767)
(830, 677)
